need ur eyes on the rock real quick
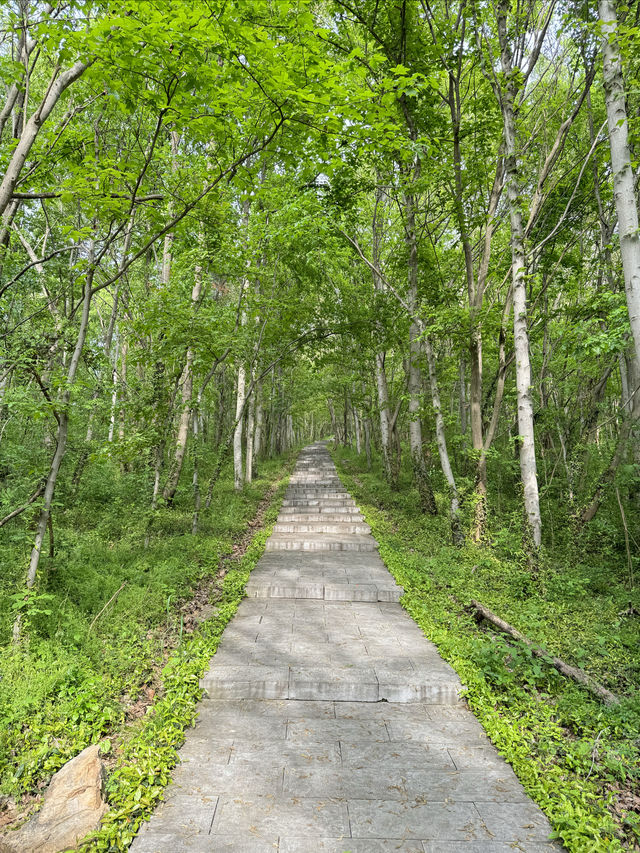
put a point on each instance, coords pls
(73, 806)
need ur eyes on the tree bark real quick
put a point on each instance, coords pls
(356, 429)
(414, 378)
(61, 442)
(367, 440)
(258, 432)
(528, 468)
(623, 178)
(186, 410)
(251, 423)
(454, 516)
(197, 497)
(56, 87)
(382, 388)
(238, 477)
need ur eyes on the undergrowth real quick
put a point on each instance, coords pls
(137, 785)
(578, 759)
(84, 674)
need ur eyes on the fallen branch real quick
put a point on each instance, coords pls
(115, 594)
(573, 672)
(22, 508)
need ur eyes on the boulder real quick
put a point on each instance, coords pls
(73, 806)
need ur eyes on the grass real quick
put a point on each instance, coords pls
(128, 679)
(578, 759)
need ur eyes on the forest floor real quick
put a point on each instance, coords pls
(143, 655)
(577, 758)
(128, 678)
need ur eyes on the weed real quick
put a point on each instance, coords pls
(579, 760)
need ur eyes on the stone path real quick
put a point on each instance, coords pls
(331, 723)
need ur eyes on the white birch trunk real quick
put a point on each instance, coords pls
(257, 435)
(197, 498)
(441, 439)
(414, 375)
(186, 409)
(114, 392)
(383, 408)
(356, 424)
(56, 87)
(623, 178)
(123, 386)
(61, 438)
(367, 441)
(624, 382)
(238, 478)
(251, 420)
(528, 467)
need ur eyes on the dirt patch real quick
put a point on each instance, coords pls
(201, 605)
(625, 808)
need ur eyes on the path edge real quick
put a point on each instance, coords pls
(136, 787)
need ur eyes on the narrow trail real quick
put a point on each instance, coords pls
(331, 723)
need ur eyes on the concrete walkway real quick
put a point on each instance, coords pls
(331, 723)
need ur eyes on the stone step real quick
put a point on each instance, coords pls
(321, 518)
(326, 502)
(319, 479)
(320, 527)
(351, 511)
(317, 493)
(328, 650)
(315, 477)
(314, 565)
(320, 542)
(314, 486)
(338, 684)
(303, 589)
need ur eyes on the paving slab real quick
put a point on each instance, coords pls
(331, 723)
(320, 542)
(341, 845)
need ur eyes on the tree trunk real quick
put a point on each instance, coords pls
(528, 468)
(186, 409)
(251, 421)
(577, 675)
(462, 400)
(197, 498)
(334, 423)
(356, 425)
(257, 435)
(123, 387)
(114, 392)
(623, 178)
(414, 377)
(456, 531)
(382, 388)
(165, 272)
(54, 90)
(367, 440)
(61, 443)
(238, 478)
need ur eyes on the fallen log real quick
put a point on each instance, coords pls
(572, 672)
